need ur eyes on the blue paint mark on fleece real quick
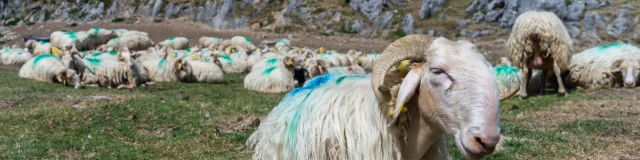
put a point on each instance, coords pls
(609, 46)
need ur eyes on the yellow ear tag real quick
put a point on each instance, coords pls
(228, 49)
(403, 67)
(55, 51)
(194, 57)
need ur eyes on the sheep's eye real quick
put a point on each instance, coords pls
(436, 70)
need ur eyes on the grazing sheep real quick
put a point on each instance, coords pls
(176, 43)
(606, 66)
(242, 42)
(15, 56)
(49, 68)
(134, 43)
(208, 41)
(276, 78)
(37, 48)
(539, 40)
(362, 117)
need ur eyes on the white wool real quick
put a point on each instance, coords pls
(66, 40)
(233, 65)
(176, 43)
(267, 62)
(281, 44)
(39, 47)
(135, 33)
(208, 41)
(354, 69)
(99, 31)
(368, 61)
(161, 70)
(325, 120)
(15, 57)
(588, 66)
(42, 69)
(204, 72)
(119, 32)
(254, 58)
(244, 42)
(275, 79)
(133, 42)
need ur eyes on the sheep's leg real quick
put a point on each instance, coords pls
(526, 74)
(543, 82)
(561, 89)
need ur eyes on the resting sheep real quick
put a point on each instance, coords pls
(49, 68)
(176, 43)
(606, 66)
(134, 43)
(232, 64)
(539, 40)
(162, 70)
(366, 117)
(204, 42)
(37, 48)
(276, 78)
(243, 42)
(15, 56)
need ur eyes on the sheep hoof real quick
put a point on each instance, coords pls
(524, 96)
(562, 94)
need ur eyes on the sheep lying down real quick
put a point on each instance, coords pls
(365, 117)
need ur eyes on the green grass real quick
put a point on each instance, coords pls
(159, 122)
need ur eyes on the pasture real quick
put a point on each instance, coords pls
(212, 121)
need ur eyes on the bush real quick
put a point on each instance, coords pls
(117, 20)
(483, 11)
(348, 30)
(637, 40)
(29, 23)
(157, 20)
(13, 21)
(400, 33)
(568, 2)
(1, 35)
(47, 14)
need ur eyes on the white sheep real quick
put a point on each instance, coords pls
(15, 56)
(162, 70)
(134, 33)
(539, 40)
(243, 42)
(49, 68)
(119, 32)
(606, 66)
(110, 73)
(176, 43)
(67, 40)
(203, 72)
(275, 78)
(357, 117)
(37, 48)
(367, 61)
(134, 43)
(208, 41)
(232, 64)
(282, 44)
(254, 58)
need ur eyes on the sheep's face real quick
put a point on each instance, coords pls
(628, 69)
(458, 93)
(316, 68)
(69, 77)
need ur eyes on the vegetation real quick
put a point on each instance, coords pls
(347, 29)
(12, 22)
(28, 23)
(157, 20)
(117, 20)
(47, 14)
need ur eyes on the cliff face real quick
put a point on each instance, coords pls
(593, 21)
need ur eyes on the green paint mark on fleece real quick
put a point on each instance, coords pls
(247, 39)
(272, 61)
(171, 38)
(188, 50)
(43, 42)
(268, 71)
(38, 58)
(506, 70)
(96, 54)
(612, 45)
(96, 29)
(339, 80)
(161, 63)
(93, 62)
(113, 53)
(226, 58)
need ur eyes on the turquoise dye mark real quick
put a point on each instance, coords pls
(268, 71)
(171, 38)
(339, 80)
(116, 40)
(272, 61)
(612, 45)
(505, 70)
(113, 53)
(188, 50)
(96, 29)
(94, 36)
(335, 70)
(375, 56)
(329, 52)
(70, 33)
(226, 58)
(93, 62)
(247, 39)
(161, 63)
(43, 42)
(38, 58)
(19, 52)
(97, 54)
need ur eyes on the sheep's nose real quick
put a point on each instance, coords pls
(629, 84)
(487, 141)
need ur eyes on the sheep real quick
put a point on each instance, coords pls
(320, 68)
(120, 32)
(204, 72)
(539, 40)
(99, 31)
(254, 58)
(15, 56)
(134, 43)
(121, 73)
(93, 41)
(367, 61)
(606, 66)
(176, 43)
(37, 48)
(67, 40)
(353, 69)
(347, 116)
(276, 78)
(208, 41)
(282, 44)
(232, 64)
(162, 70)
(135, 33)
(49, 68)
(243, 42)
(507, 78)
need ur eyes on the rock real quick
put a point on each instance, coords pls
(556, 6)
(399, 3)
(475, 6)
(385, 21)
(509, 13)
(628, 6)
(592, 4)
(220, 20)
(328, 31)
(478, 17)
(495, 4)
(589, 22)
(370, 8)
(431, 32)
(620, 25)
(463, 32)
(429, 8)
(255, 26)
(463, 23)
(407, 24)
(484, 32)
(419, 31)
(475, 35)
(573, 28)
(492, 16)
(156, 8)
(358, 25)
(575, 11)
(368, 33)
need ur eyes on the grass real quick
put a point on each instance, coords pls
(168, 121)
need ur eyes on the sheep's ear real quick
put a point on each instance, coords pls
(321, 63)
(607, 74)
(407, 89)
(61, 77)
(178, 64)
(615, 67)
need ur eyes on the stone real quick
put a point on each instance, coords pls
(475, 35)
(431, 32)
(494, 4)
(255, 26)
(592, 4)
(508, 18)
(463, 32)
(463, 23)
(429, 8)
(620, 25)
(575, 11)
(220, 20)
(484, 32)
(358, 25)
(573, 28)
(628, 6)
(385, 22)
(478, 17)
(407, 24)
(156, 8)
(493, 16)
(370, 8)
(475, 6)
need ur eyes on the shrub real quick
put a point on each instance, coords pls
(117, 20)
(348, 30)
(157, 20)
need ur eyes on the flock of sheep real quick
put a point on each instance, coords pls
(420, 87)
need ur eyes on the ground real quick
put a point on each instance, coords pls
(213, 121)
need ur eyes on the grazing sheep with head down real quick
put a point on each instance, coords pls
(177, 43)
(539, 40)
(606, 66)
(366, 117)
(49, 68)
